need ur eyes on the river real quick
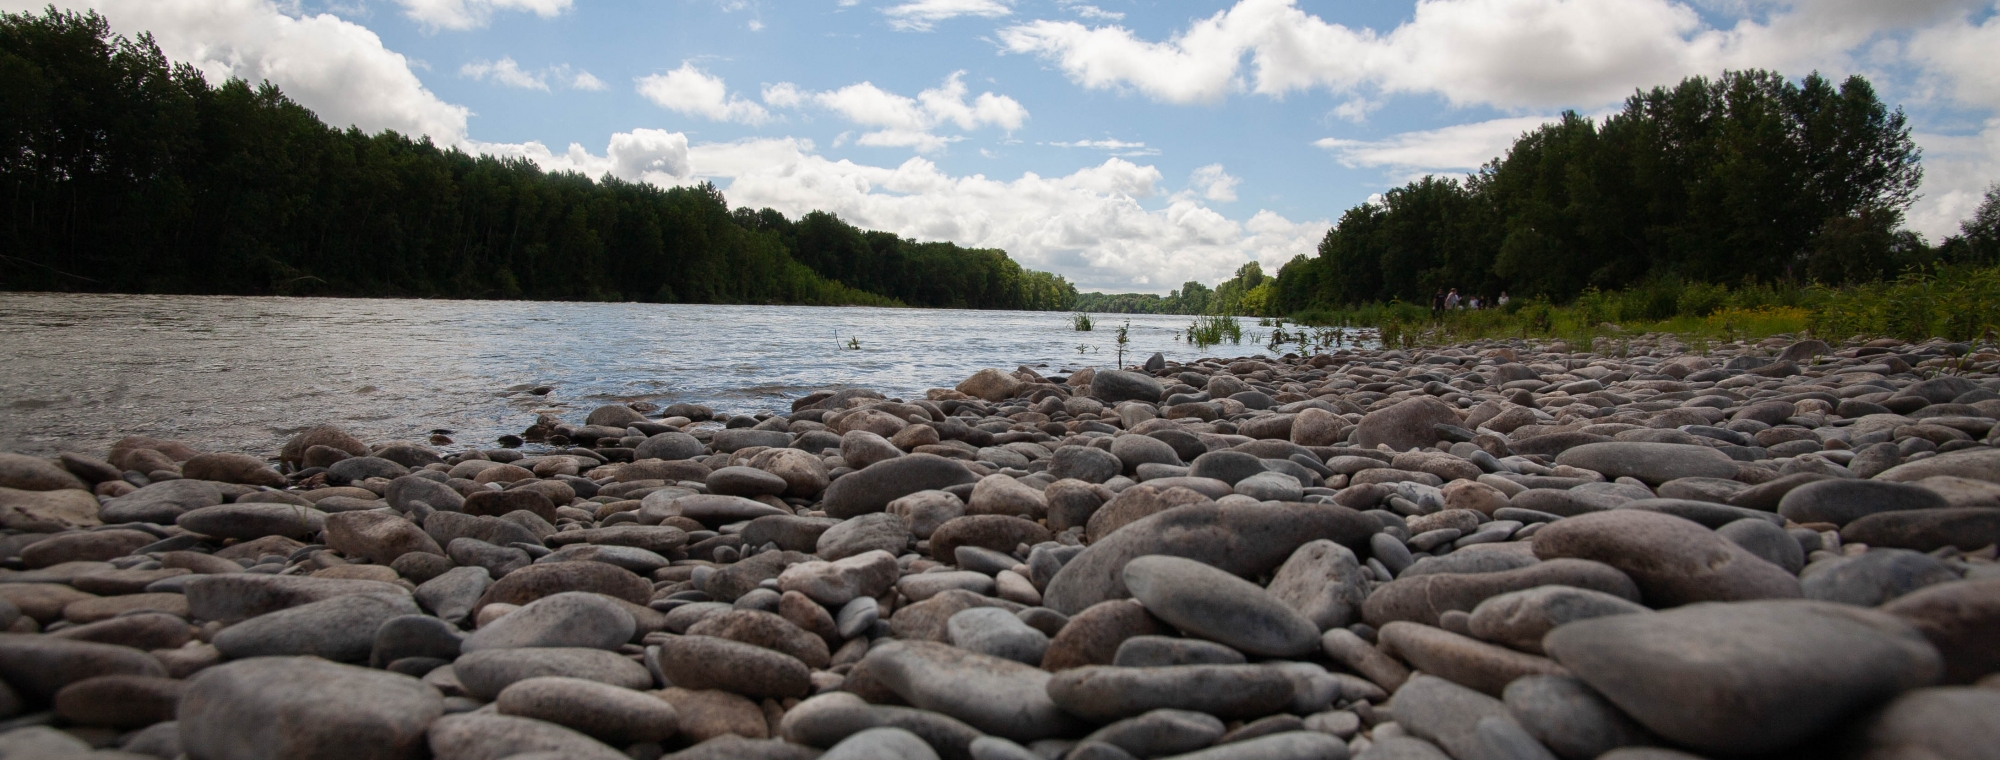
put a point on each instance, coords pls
(243, 374)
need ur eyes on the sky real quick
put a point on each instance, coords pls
(1126, 145)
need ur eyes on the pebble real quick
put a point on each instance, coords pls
(1673, 561)
(1207, 602)
(568, 619)
(1103, 694)
(610, 714)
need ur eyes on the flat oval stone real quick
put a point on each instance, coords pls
(1653, 463)
(1520, 619)
(1001, 697)
(608, 713)
(1841, 501)
(1102, 694)
(1874, 577)
(708, 662)
(248, 521)
(568, 619)
(1209, 603)
(871, 488)
(484, 674)
(1462, 660)
(300, 706)
(1674, 561)
(1746, 677)
(1423, 598)
(1926, 530)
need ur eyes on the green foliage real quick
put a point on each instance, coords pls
(126, 174)
(1081, 322)
(1210, 330)
(1958, 302)
(1748, 175)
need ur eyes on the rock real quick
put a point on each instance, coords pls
(836, 583)
(997, 633)
(1570, 718)
(1673, 561)
(1424, 598)
(1445, 713)
(84, 546)
(924, 511)
(1212, 604)
(749, 574)
(881, 744)
(1318, 427)
(256, 709)
(1085, 463)
(1405, 425)
(409, 489)
(536, 581)
(1271, 486)
(1093, 636)
(1103, 694)
(1160, 732)
(1135, 450)
(996, 532)
(745, 481)
(1842, 501)
(120, 701)
(341, 628)
(1003, 495)
(1322, 581)
(739, 748)
(607, 713)
(39, 666)
(829, 718)
(498, 503)
(1136, 503)
(47, 511)
(997, 696)
(1402, 748)
(705, 715)
(138, 630)
(357, 469)
(36, 474)
(1289, 745)
(876, 532)
(232, 468)
(1520, 619)
(568, 619)
(238, 596)
(707, 662)
(1652, 463)
(860, 448)
(1948, 722)
(736, 439)
(1766, 674)
(1960, 618)
(1158, 651)
(1968, 528)
(414, 636)
(1240, 540)
(452, 595)
(1874, 577)
(329, 436)
(1230, 467)
(1975, 464)
(871, 488)
(767, 630)
(160, 502)
(1462, 660)
(249, 521)
(708, 509)
(485, 673)
(497, 561)
(992, 385)
(485, 736)
(669, 446)
(1769, 542)
(378, 536)
(1113, 386)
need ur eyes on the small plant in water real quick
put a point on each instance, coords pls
(1124, 338)
(853, 343)
(1081, 322)
(1212, 330)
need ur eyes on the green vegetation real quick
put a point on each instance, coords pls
(1211, 330)
(1247, 293)
(1081, 322)
(126, 174)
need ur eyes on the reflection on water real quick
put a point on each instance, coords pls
(241, 374)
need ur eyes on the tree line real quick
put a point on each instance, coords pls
(1745, 178)
(126, 173)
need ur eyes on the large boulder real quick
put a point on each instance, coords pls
(270, 708)
(1406, 425)
(1113, 386)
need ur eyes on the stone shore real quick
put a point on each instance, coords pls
(1493, 551)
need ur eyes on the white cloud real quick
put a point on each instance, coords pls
(902, 121)
(1091, 11)
(338, 69)
(1214, 183)
(507, 73)
(1505, 53)
(695, 92)
(472, 14)
(1114, 146)
(756, 26)
(641, 155)
(1457, 148)
(923, 15)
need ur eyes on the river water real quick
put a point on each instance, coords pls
(243, 374)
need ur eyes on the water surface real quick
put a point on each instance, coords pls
(242, 374)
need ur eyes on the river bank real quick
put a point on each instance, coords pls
(1494, 549)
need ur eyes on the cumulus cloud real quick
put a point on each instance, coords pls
(695, 92)
(902, 121)
(1214, 184)
(641, 155)
(1086, 10)
(1505, 53)
(1457, 148)
(472, 14)
(1114, 146)
(923, 15)
(338, 69)
(507, 73)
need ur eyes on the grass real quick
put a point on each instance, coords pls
(1081, 322)
(1960, 303)
(1208, 331)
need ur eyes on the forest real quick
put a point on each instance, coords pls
(126, 173)
(1749, 179)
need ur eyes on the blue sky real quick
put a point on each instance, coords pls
(1127, 145)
